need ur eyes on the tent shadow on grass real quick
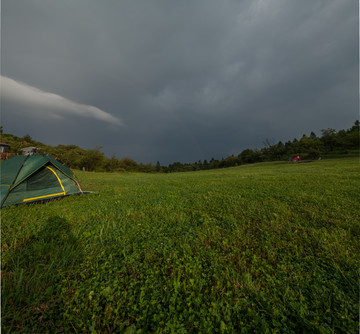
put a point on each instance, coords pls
(33, 274)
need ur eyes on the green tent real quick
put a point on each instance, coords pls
(32, 178)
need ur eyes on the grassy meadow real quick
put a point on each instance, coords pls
(265, 248)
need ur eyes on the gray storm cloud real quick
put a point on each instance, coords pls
(49, 105)
(191, 80)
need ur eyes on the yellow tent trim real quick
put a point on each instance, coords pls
(33, 198)
(50, 195)
(57, 178)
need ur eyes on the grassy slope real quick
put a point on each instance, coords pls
(269, 246)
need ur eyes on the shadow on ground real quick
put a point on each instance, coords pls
(33, 276)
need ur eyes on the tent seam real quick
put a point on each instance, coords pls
(28, 175)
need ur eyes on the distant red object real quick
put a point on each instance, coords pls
(297, 158)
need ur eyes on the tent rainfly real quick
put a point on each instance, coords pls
(26, 179)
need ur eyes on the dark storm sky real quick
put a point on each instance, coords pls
(177, 80)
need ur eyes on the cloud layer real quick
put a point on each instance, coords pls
(191, 80)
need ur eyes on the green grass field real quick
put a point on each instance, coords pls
(267, 248)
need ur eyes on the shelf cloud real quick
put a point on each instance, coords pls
(49, 103)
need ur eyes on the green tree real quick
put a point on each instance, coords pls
(158, 167)
(230, 161)
(214, 163)
(352, 139)
(114, 164)
(94, 159)
(205, 164)
(312, 147)
(71, 155)
(313, 135)
(250, 156)
(329, 138)
(130, 164)
(28, 138)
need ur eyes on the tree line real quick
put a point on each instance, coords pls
(330, 143)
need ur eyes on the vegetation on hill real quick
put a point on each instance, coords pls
(331, 143)
(264, 248)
